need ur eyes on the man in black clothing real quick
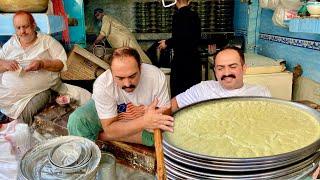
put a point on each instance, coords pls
(186, 34)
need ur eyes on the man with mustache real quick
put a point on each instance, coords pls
(229, 67)
(125, 101)
(30, 63)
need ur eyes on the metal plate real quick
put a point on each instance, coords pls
(295, 170)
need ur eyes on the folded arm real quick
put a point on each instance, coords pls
(130, 130)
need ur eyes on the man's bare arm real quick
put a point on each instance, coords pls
(8, 65)
(99, 38)
(49, 65)
(174, 105)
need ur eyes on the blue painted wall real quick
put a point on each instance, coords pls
(278, 43)
(75, 9)
(241, 20)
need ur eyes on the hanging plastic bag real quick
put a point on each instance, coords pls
(263, 3)
(272, 4)
(281, 14)
(291, 4)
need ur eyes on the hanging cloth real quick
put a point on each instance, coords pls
(58, 9)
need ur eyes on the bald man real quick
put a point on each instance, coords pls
(30, 63)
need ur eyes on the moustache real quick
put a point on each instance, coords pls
(230, 75)
(129, 87)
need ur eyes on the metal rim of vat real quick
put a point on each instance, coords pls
(303, 152)
(217, 166)
(175, 170)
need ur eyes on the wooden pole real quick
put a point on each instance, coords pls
(161, 171)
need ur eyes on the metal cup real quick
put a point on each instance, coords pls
(107, 167)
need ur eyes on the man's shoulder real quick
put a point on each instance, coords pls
(255, 89)
(255, 86)
(104, 79)
(11, 40)
(45, 37)
(209, 84)
(204, 86)
(148, 69)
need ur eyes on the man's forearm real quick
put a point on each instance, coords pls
(99, 38)
(121, 130)
(2, 68)
(52, 65)
(135, 138)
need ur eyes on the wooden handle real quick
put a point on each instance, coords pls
(161, 171)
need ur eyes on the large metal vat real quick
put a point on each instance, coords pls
(30, 5)
(182, 163)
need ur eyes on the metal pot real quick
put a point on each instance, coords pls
(99, 50)
(182, 163)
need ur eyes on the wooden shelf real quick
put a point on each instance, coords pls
(160, 36)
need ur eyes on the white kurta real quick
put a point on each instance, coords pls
(17, 90)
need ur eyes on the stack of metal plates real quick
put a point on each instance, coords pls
(188, 164)
(65, 157)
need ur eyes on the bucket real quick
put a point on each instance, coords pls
(99, 50)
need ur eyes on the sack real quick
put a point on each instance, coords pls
(291, 4)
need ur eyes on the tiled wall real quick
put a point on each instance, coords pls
(295, 48)
(263, 37)
(267, 39)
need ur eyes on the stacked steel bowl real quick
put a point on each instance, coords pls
(65, 157)
(151, 17)
(183, 163)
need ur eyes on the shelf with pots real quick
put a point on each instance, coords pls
(307, 24)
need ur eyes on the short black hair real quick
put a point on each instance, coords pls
(125, 52)
(235, 48)
(97, 10)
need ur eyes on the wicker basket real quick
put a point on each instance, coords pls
(17, 5)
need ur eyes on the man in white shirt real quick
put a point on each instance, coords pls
(117, 34)
(229, 67)
(125, 101)
(30, 63)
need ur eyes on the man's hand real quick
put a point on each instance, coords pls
(162, 44)
(35, 65)
(10, 65)
(154, 118)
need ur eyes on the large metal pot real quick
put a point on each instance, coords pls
(184, 163)
(17, 5)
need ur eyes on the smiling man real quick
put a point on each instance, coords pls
(229, 67)
(125, 102)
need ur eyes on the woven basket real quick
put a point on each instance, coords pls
(17, 5)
